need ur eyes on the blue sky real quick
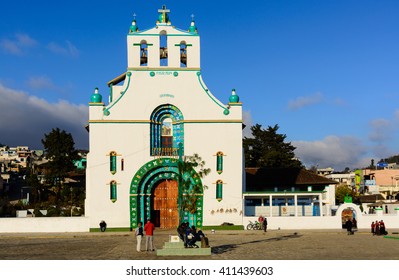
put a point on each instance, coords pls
(325, 71)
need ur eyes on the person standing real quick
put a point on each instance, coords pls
(349, 225)
(373, 228)
(382, 228)
(377, 228)
(260, 221)
(264, 224)
(103, 226)
(139, 236)
(149, 235)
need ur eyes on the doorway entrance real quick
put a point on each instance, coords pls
(349, 214)
(154, 193)
(165, 211)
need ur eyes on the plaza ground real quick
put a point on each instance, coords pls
(226, 245)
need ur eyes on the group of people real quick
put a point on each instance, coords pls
(149, 228)
(378, 228)
(190, 235)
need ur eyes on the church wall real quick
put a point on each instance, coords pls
(144, 94)
(207, 140)
(131, 141)
(127, 140)
(174, 38)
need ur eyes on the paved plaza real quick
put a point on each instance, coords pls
(226, 245)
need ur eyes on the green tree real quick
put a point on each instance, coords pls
(391, 159)
(372, 165)
(191, 188)
(346, 170)
(343, 190)
(59, 148)
(37, 187)
(267, 148)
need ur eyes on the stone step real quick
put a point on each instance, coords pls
(184, 252)
(174, 245)
(177, 249)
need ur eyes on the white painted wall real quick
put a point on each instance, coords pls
(81, 224)
(325, 222)
(329, 222)
(174, 37)
(44, 224)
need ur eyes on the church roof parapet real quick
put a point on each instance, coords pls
(163, 21)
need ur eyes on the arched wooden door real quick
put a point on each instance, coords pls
(165, 210)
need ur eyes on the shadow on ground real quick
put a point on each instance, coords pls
(230, 247)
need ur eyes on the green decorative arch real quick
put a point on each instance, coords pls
(157, 117)
(144, 182)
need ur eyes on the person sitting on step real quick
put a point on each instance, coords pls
(192, 237)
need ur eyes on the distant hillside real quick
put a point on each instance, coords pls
(392, 159)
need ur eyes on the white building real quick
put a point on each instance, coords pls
(159, 110)
(287, 192)
(345, 178)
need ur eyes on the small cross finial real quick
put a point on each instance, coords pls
(192, 17)
(134, 16)
(164, 12)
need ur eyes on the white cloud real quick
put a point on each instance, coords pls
(339, 102)
(333, 151)
(24, 119)
(17, 45)
(247, 120)
(381, 130)
(69, 49)
(40, 82)
(304, 101)
(10, 47)
(380, 135)
(25, 40)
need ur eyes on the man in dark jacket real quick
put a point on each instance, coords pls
(349, 225)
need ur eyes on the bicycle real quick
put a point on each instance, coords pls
(254, 226)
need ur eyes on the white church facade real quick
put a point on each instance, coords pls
(159, 111)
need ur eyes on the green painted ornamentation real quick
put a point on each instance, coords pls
(226, 110)
(219, 190)
(234, 97)
(113, 191)
(219, 162)
(96, 97)
(133, 27)
(146, 180)
(112, 162)
(109, 107)
(193, 28)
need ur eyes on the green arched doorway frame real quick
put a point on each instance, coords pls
(146, 179)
